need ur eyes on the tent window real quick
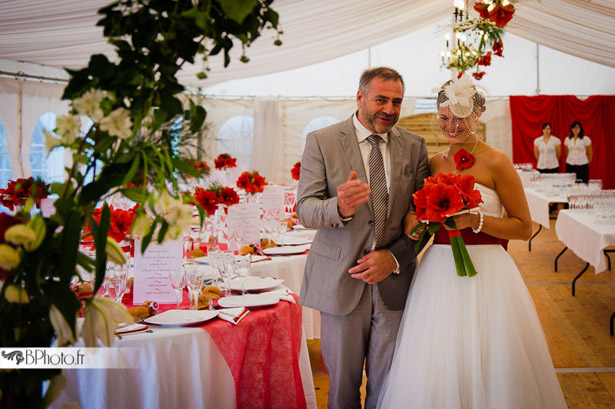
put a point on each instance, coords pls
(50, 167)
(6, 173)
(424, 105)
(315, 124)
(235, 137)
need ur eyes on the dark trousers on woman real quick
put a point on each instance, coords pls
(552, 170)
(582, 171)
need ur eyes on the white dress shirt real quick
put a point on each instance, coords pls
(577, 152)
(547, 154)
(366, 148)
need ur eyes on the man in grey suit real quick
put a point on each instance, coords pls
(357, 179)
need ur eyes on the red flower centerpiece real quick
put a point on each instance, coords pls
(120, 223)
(225, 161)
(215, 194)
(251, 182)
(441, 198)
(19, 191)
(295, 171)
(201, 167)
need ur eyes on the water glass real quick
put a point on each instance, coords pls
(242, 265)
(227, 270)
(194, 281)
(177, 282)
(116, 281)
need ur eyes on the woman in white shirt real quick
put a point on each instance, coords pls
(578, 152)
(547, 151)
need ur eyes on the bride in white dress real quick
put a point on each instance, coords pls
(472, 342)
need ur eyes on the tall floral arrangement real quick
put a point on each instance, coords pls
(215, 194)
(132, 101)
(19, 191)
(295, 171)
(225, 161)
(251, 182)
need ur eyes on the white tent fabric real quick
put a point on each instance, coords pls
(65, 35)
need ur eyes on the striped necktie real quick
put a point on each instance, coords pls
(378, 185)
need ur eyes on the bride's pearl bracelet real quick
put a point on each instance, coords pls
(480, 223)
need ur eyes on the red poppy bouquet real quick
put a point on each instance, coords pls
(225, 161)
(19, 191)
(215, 194)
(251, 182)
(441, 198)
(295, 171)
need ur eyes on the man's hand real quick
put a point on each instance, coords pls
(351, 194)
(374, 267)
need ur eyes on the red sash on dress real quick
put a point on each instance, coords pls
(469, 238)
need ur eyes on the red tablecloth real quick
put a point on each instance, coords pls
(262, 352)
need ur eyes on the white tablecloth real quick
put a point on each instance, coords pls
(587, 238)
(173, 368)
(290, 269)
(538, 203)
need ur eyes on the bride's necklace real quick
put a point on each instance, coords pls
(462, 158)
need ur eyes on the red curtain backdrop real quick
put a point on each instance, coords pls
(596, 114)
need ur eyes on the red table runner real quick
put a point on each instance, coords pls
(262, 352)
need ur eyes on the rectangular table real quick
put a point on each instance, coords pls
(538, 202)
(588, 239)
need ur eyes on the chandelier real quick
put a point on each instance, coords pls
(475, 40)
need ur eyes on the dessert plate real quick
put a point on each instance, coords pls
(179, 318)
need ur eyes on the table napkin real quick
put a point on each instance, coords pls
(256, 258)
(283, 294)
(233, 315)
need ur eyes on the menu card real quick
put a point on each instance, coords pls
(273, 202)
(151, 277)
(243, 224)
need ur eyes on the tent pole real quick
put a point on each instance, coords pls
(537, 69)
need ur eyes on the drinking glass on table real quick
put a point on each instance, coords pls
(242, 265)
(194, 281)
(177, 282)
(226, 268)
(117, 276)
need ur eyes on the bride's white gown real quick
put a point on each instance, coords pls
(471, 343)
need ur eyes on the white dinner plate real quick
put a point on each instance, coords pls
(285, 250)
(248, 300)
(256, 283)
(295, 240)
(127, 329)
(175, 318)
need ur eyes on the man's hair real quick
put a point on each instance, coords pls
(384, 73)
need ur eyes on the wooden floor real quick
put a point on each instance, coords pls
(577, 328)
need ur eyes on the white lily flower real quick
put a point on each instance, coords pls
(9, 257)
(68, 127)
(102, 315)
(141, 225)
(89, 104)
(61, 328)
(114, 253)
(117, 123)
(37, 224)
(164, 202)
(20, 235)
(50, 141)
(179, 217)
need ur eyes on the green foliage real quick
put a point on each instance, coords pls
(129, 150)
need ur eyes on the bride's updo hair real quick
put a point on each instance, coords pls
(478, 99)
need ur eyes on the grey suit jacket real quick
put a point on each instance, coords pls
(330, 155)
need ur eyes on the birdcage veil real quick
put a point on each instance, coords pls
(459, 106)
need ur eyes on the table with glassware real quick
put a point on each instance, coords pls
(589, 235)
(191, 359)
(538, 203)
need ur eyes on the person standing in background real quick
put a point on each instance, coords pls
(547, 151)
(579, 152)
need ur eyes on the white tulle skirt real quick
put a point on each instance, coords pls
(471, 343)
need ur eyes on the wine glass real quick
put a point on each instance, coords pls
(116, 283)
(194, 280)
(177, 282)
(226, 269)
(242, 265)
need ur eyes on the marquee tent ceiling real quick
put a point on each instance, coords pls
(62, 33)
